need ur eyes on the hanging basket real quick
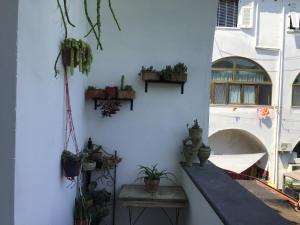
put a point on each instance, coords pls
(71, 168)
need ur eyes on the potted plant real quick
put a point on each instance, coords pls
(176, 73)
(111, 92)
(149, 73)
(151, 176)
(126, 92)
(76, 53)
(195, 131)
(71, 163)
(203, 154)
(93, 92)
(96, 154)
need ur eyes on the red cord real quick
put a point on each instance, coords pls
(69, 127)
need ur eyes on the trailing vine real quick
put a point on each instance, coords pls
(95, 28)
(67, 14)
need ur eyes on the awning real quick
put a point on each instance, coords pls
(237, 163)
(294, 174)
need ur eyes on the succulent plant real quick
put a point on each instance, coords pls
(70, 156)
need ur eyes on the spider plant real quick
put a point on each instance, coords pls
(152, 173)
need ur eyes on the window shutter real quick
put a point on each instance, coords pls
(246, 20)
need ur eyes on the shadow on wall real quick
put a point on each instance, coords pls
(266, 122)
(297, 40)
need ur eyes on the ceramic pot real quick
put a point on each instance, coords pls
(190, 153)
(151, 185)
(195, 133)
(203, 154)
(71, 168)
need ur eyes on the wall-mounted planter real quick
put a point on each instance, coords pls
(108, 99)
(170, 75)
(94, 93)
(177, 77)
(150, 75)
(126, 94)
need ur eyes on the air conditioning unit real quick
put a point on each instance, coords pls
(286, 147)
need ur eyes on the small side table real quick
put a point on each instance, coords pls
(135, 196)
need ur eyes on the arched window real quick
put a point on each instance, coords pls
(296, 92)
(237, 80)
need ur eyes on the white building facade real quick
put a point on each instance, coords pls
(255, 96)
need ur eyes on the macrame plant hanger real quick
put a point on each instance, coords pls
(69, 126)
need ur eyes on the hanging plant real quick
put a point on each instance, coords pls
(95, 28)
(86, 54)
(77, 53)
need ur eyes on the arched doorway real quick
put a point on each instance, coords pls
(239, 152)
(297, 149)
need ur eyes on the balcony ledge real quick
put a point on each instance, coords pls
(233, 204)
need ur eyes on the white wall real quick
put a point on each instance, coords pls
(154, 33)
(8, 40)
(199, 210)
(41, 193)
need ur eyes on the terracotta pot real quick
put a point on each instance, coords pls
(66, 53)
(71, 168)
(150, 76)
(97, 155)
(127, 94)
(203, 155)
(151, 185)
(97, 93)
(189, 154)
(111, 92)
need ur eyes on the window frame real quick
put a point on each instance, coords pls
(235, 16)
(234, 81)
(295, 85)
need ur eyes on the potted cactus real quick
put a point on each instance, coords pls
(192, 143)
(151, 176)
(149, 73)
(126, 92)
